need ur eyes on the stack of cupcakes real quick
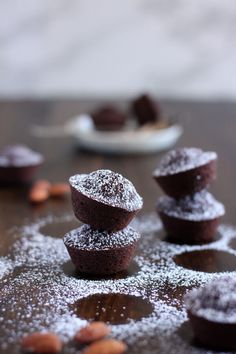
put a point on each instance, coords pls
(106, 202)
(190, 214)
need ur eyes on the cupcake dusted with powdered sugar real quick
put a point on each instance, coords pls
(104, 199)
(101, 252)
(186, 171)
(212, 313)
(192, 219)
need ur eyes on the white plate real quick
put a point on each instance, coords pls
(122, 142)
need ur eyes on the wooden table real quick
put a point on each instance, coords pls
(207, 125)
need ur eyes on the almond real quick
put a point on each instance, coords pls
(93, 331)
(38, 195)
(42, 343)
(59, 190)
(106, 346)
(39, 192)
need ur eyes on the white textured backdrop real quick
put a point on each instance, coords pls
(178, 48)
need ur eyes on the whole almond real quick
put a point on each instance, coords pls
(106, 346)
(58, 190)
(38, 194)
(93, 331)
(42, 343)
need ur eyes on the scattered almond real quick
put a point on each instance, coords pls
(106, 346)
(42, 343)
(93, 331)
(58, 190)
(38, 194)
(42, 190)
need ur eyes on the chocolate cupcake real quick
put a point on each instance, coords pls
(192, 219)
(104, 199)
(101, 252)
(18, 164)
(146, 110)
(212, 313)
(186, 171)
(108, 118)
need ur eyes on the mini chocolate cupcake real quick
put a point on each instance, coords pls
(212, 313)
(192, 219)
(104, 199)
(18, 164)
(101, 252)
(108, 118)
(146, 110)
(186, 171)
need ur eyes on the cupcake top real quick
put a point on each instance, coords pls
(86, 238)
(108, 188)
(19, 156)
(183, 159)
(197, 207)
(215, 302)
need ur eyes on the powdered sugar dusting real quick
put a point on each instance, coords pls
(109, 188)
(40, 292)
(197, 207)
(28, 249)
(215, 301)
(19, 156)
(86, 238)
(183, 159)
(6, 266)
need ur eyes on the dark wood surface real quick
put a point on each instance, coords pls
(206, 125)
